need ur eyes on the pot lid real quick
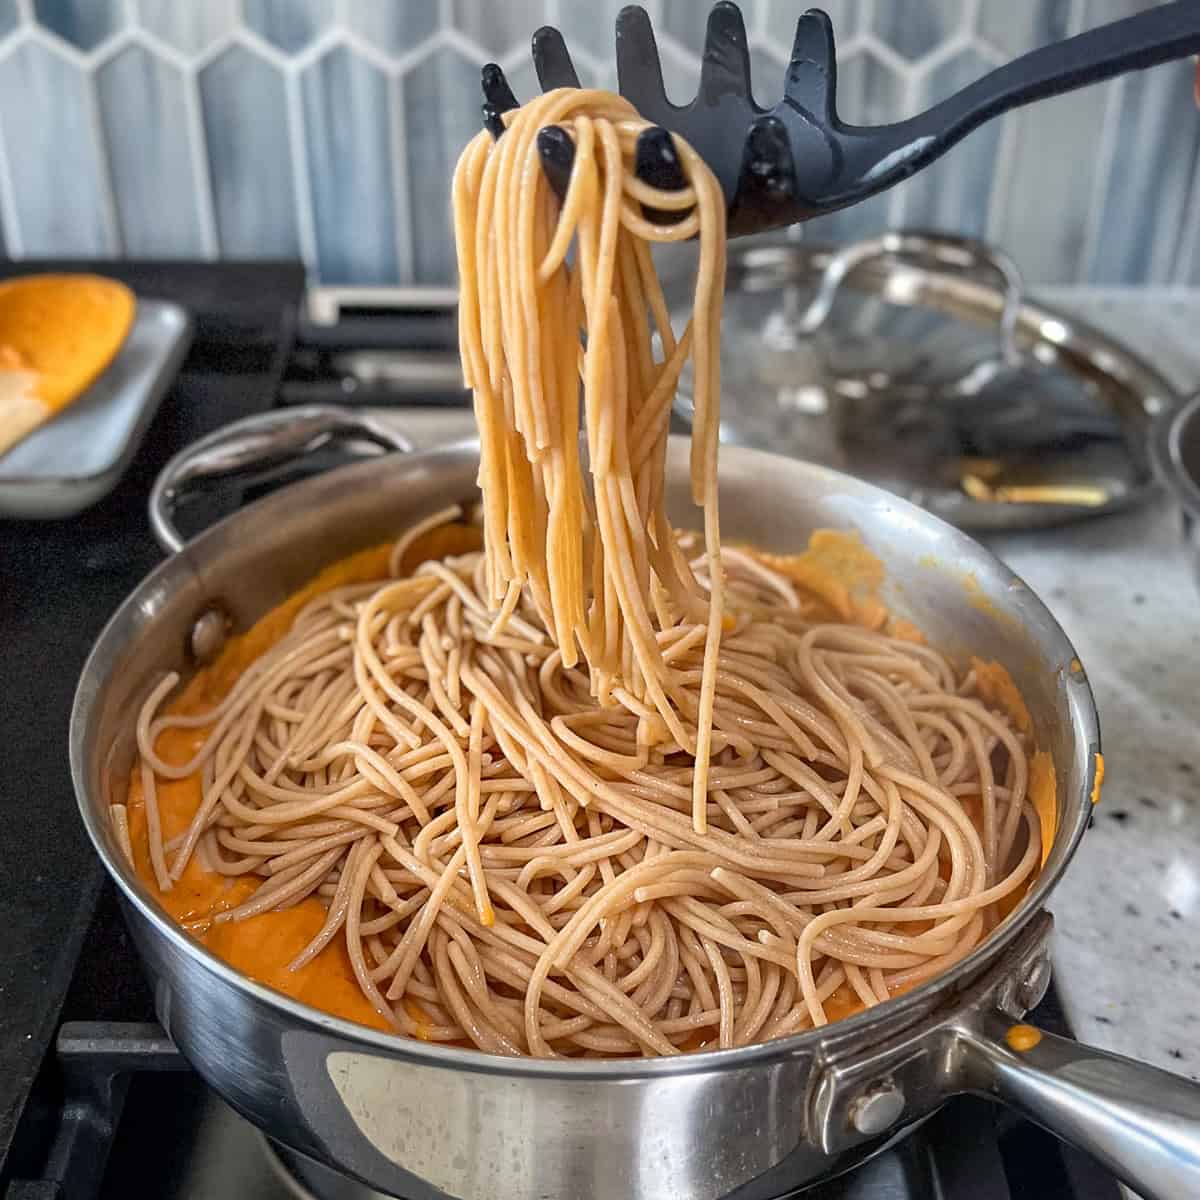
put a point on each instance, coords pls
(917, 361)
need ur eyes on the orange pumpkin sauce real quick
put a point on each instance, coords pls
(262, 946)
(836, 569)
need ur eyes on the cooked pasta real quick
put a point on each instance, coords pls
(602, 567)
(599, 787)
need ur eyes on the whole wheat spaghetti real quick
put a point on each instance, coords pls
(596, 790)
(602, 566)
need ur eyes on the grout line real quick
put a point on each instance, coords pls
(143, 39)
(519, 55)
(955, 44)
(214, 50)
(328, 39)
(112, 47)
(992, 55)
(866, 18)
(206, 208)
(1105, 157)
(402, 198)
(897, 205)
(769, 47)
(401, 64)
(257, 44)
(12, 39)
(302, 198)
(353, 40)
(51, 42)
(887, 55)
(854, 43)
(25, 12)
(453, 39)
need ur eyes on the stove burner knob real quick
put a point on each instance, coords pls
(877, 1110)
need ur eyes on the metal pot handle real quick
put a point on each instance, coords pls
(259, 447)
(1143, 1124)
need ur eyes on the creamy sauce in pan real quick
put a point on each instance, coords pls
(836, 568)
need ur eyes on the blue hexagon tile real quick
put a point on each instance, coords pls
(289, 25)
(60, 198)
(354, 206)
(394, 29)
(83, 23)
(249, 153)
(919, 27)
(142, 107)
(441, 113)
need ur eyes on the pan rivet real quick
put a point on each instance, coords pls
(877, 1110)
(208, 635)
(1033, 986)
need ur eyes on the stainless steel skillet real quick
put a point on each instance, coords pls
(425, 1121)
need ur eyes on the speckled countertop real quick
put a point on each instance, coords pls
(1127, 942)
(1127, 912)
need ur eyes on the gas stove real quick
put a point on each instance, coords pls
(95, 1101)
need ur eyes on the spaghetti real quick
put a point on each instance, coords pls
(597, 789)
(522, 311)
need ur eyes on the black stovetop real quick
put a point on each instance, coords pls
(59, 583)
(65, 958)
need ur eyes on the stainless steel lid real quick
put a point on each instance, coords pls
(918, 362)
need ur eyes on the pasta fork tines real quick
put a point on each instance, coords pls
(747, 147)
(798, 159)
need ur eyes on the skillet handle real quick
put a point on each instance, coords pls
(260, 448)
(1143, 1124)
